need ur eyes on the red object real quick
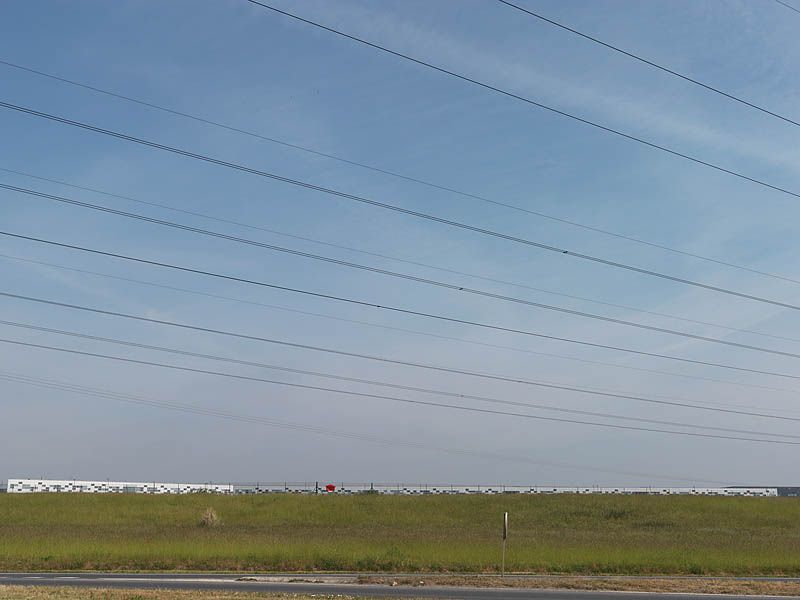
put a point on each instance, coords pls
(330, 488)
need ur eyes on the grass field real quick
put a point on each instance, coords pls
(557, 534)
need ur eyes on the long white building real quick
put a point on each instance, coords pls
(25, 486)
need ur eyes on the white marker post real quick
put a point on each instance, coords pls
(505, 536)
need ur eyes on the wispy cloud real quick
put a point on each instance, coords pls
(666, 113)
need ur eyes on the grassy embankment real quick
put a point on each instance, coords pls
(556, 534)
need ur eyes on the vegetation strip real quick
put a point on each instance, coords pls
(565, 534)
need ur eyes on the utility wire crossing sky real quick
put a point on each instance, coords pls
(512, 180)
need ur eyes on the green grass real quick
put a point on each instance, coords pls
(564, 533)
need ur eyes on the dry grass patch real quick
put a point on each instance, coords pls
(19, 592)
(619, 584)
(209, 518)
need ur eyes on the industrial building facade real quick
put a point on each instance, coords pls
(26, 486)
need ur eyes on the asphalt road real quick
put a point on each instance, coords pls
(229, 582)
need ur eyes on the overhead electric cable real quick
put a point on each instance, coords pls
(457, 407)
(392, 308)
(650, 63)
(509, 94)
(406, 211)
(787, 5)
(406, 330)
(412, 262)
(405, 276)
(54, 384)
(349, 379)
(375, 169)
(286, 343)
(96, 392)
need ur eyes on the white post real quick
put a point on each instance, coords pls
(505, 535)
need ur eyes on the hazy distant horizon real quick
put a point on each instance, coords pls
(87, 417)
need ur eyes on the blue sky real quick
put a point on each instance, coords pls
(247, 67)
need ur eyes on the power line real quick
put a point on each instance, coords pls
(531, 102)
(398, 386)
(458, 407)
(651, 63)
(787, 5)
(370, 168)
(404, 330)
(286, 343)
(349, 354)
(407, 261)
(393, 308)
(405, 276)
(124, 397)
(53, 384)
(391, 207)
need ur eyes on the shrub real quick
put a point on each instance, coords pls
(209, 518)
